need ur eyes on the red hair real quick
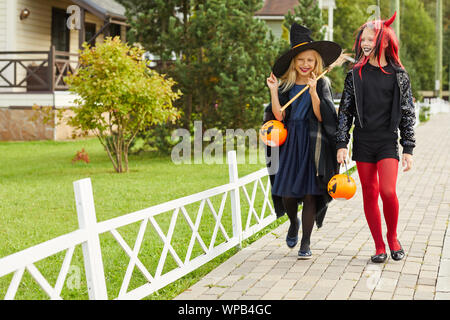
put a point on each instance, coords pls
(383, 33)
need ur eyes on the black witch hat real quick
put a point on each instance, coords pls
(301, 40)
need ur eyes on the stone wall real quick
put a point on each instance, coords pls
(25, 124)
(19, 125)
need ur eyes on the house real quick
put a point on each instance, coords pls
(39, 42)
(273, 12)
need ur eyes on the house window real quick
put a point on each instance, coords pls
(114, 30)
(89, 33)
(60, 32)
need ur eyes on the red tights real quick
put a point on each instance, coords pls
(380, 179)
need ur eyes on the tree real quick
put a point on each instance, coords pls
(223, 56)
(119, 96)
(233, 57)
(348, 17)
(430, 7)
(418, 44)
(307, 13)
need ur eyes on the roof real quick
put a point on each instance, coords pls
(103, 9)
(276, 7)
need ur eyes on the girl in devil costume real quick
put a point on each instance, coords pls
(377, 95)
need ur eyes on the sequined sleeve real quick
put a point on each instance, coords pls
(408, 115)
(346, 113)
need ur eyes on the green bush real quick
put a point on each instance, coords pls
(119, 96)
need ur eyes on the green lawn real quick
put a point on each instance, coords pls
(37, 204)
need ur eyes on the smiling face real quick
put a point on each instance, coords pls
(367, 41)
(305, 63)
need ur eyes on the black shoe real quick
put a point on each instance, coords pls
(305, 251)
(304, 255)
(292, 241)
(399, 254)
(379, 258)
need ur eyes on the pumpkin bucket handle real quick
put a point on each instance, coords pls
(346, 171)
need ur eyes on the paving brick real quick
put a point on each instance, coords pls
(400, 297)
(427, 281)
(340, 294)
(360, 295)
(443, 284)
(405, 292)
(379, 295)
(295, 295)
(273, 296)
(411, 268)
(442, 296)
(318, 293)
(230, 295)
(423, 295)
(257, 291)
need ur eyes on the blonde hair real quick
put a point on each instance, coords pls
(288, 79)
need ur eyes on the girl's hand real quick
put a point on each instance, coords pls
(312, 82)
(407, 161)
(272, 82)
(342, 155)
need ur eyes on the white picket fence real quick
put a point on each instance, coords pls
(89, 231)
(436, 105)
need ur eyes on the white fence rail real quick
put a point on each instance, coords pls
(90, 230)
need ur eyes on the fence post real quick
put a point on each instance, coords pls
(235, 198)
(51, 69)
(92, 254)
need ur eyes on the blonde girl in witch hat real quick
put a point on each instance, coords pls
(307, 159)
(377, 96)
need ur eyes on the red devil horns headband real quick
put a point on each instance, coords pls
(387, 23)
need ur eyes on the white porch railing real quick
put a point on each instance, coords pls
(89, 231)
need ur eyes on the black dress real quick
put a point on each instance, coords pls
(322, 147)
(296, 175)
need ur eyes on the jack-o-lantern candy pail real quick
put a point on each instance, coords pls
(273, 133)
(341, 186)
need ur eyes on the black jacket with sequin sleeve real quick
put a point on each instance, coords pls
(403, 113)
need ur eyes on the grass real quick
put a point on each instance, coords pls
(37, 204)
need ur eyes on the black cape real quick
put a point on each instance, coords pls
(322, 137)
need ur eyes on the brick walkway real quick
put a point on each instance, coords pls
(341, 267)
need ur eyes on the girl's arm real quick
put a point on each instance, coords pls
(346, 113)
(345, 118)
(408, 116)
(312, 82)
(272, 83)
(276, 107)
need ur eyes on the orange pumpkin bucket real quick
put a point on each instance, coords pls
(273, 133)
(342, 186)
